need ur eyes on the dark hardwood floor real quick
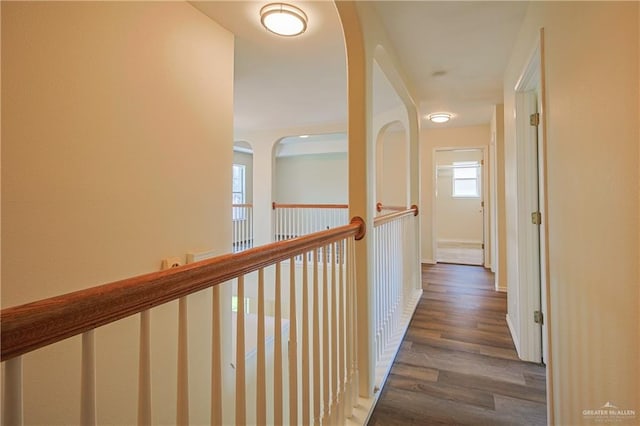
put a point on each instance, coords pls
(457, 363)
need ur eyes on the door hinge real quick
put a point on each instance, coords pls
(536, 218)
(482, 162)
(534, 119)
(538, 318)
(482, 246)
(481, 203)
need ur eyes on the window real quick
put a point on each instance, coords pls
(238, 191)
(234, 304)
(466, 179)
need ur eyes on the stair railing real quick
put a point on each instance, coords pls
(322, 368)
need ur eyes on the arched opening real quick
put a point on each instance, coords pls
(391, 143)
(391, 167)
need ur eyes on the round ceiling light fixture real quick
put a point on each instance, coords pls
(439, 117)
(283, 19)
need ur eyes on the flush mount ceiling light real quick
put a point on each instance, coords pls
(283, 19)
(439, 117)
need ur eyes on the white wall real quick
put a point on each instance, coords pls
(117, 151)
(314, 179)
(247, 161)
(431, 138)
(458, 219)
(591, 55)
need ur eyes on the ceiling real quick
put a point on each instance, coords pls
(453, 54)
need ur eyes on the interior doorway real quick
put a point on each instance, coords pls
(459, 209)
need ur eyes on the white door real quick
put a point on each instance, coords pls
(459, 207)
(541, 232)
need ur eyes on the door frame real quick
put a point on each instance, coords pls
(533, 254)
(486, 237)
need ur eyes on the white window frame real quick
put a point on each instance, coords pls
(239, 213)
(459, 166)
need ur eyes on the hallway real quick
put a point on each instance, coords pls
(457, 363)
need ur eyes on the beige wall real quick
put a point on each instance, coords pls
(391, 168)
(311, 179)
(117, 151)
(591, 54)
(430, 139)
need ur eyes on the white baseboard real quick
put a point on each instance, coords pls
(514, 336)
(429, 261)
(447, 243)
(501, 289)
(383, 368)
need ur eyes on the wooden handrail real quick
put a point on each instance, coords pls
(242, 205)
(275, 205)
(44, 322)
(380, 207)
(379, 220)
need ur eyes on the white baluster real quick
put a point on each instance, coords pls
(387, 288)
(233, 229)
(325, 337)
(252, 230)
(241, 403)
(349, 338)
(216, 358)
(288, 223)
(285, 223)
(306, 371)
(12, 414)
(334, 336)
(88, 380)
(354, 329)
(261, 389)
(348, 403)
(341, 337)
(182, 411)
(274, 225)
(277, 354)
(377, 285)
(144, 370)
(317, 386)
(240, 224)
(293, 346)
(388, 296)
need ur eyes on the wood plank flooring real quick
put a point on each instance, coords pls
(457, 363)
